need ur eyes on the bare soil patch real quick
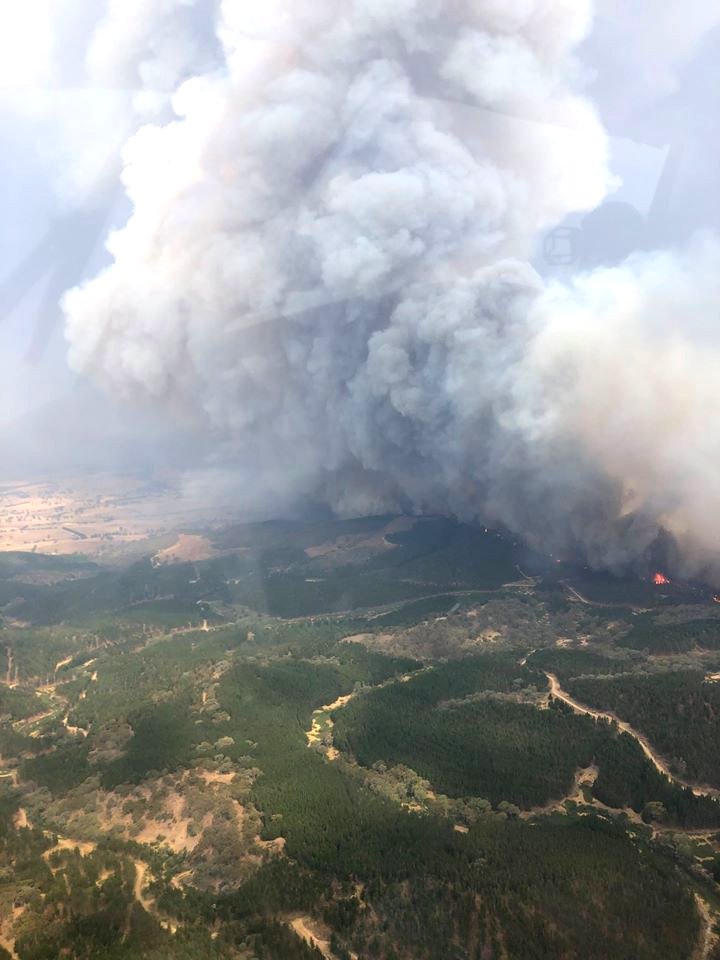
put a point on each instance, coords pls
(351, 549)
(310, 931)
(189, 548)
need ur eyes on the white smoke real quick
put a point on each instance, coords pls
(324, 266)
(151, 46)
(625, 365)
(88, 73)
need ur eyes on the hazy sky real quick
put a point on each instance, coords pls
(76, 80)
(79, 77)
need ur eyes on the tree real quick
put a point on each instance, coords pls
(654, 812)
(509, 809)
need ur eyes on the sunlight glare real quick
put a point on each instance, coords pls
(26, 44)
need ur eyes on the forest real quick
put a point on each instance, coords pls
(679, 711)
(361, 745)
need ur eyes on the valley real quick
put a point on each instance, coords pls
(298, 740)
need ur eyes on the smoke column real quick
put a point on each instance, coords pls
(326, 267)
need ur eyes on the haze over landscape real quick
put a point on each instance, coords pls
(362, 314)
(359, 488)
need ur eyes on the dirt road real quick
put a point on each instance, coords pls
(8, 945)
(708, 936)
(301, 927)
(657, 761)
(149, 905)
(141, 871)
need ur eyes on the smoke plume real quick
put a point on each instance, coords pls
(326, 267)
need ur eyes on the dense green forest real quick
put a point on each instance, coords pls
(491, 748)
(648, 634)
(346, 728)
(678, 711)
(499, 749)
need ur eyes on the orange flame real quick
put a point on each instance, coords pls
(660, 580)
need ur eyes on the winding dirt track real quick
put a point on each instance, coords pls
(141, 871)
(9, 945)
(700, 790)
(708, 936)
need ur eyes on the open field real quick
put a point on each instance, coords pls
(96, 516)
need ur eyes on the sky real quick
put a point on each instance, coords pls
(191, 171)
(76, 81)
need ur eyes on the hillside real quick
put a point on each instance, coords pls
(385, 738)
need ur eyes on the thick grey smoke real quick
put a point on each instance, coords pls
(326, 267)
(622, 369)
